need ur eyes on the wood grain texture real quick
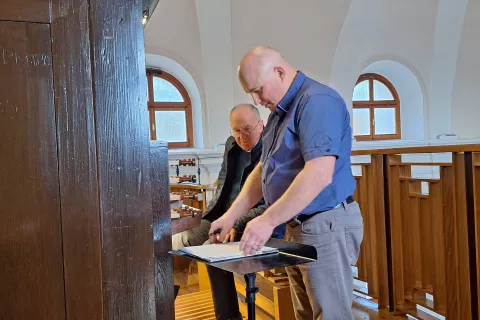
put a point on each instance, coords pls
(416, 257)
(372, 236)
(470, 213)
(161, 230)
(447, 176)
(283, 303)
(426, 243)
(396, 231)
(30, 230)
(25, 10)
(77, 161)
(116, 35)
(381, 234)
(476, 190)
(438, 240)
(407, 241)
(462, 236)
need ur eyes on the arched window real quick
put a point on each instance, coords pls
(170, 110)
(376, 109)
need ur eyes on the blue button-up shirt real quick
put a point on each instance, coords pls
(311, 121)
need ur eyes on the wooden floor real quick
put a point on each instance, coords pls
(199, 306)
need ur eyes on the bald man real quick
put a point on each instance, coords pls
(242, 153)
(306, 180)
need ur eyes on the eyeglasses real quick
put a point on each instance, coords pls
(245, 131)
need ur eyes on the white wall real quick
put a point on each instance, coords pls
(375, 30)
(410, 95)
(445, 52)
(173, 32)
(333, 42)
(214, 23)
(466, 107)
(306, 32)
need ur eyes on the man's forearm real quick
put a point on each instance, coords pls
(250, 195)
(242, 221)
(303, 190)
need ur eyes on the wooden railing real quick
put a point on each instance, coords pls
(421, 248)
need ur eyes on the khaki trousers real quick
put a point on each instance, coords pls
(324, 289)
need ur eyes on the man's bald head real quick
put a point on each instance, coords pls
(260, 60)
(244, 108)
(266, 75)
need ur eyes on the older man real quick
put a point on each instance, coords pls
(305, 178)
(242, 153)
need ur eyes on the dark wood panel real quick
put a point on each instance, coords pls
(162, 230)
(25, 10)
(116, 36)
(31, 279)
(77, 161)
(476, 190)
(372, 236)
(462, 237)
(397, 233)
(381, 232)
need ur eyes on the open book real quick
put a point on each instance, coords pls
(223, 251)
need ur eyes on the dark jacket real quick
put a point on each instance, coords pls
(218, 205)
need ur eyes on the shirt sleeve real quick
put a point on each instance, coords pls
(321, 123)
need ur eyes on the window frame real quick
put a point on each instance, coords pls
(377, 104)
(153, 106)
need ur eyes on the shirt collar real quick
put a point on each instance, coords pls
(286, 102)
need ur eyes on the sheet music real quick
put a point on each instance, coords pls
(223, 251)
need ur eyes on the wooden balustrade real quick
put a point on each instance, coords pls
(372, 263)
(421, 242)
(421, 248)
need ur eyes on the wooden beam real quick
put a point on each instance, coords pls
(77, 161)
(119, 86)
(162, 231)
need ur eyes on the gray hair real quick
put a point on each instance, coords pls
(252, 108)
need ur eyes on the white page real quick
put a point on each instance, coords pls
(223, 251)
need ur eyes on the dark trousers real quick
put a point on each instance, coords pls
(224, 293)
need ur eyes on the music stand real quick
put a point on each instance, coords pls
(290, 254)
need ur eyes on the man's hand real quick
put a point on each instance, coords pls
(230, 236)
(256, 234)
(222, 225)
